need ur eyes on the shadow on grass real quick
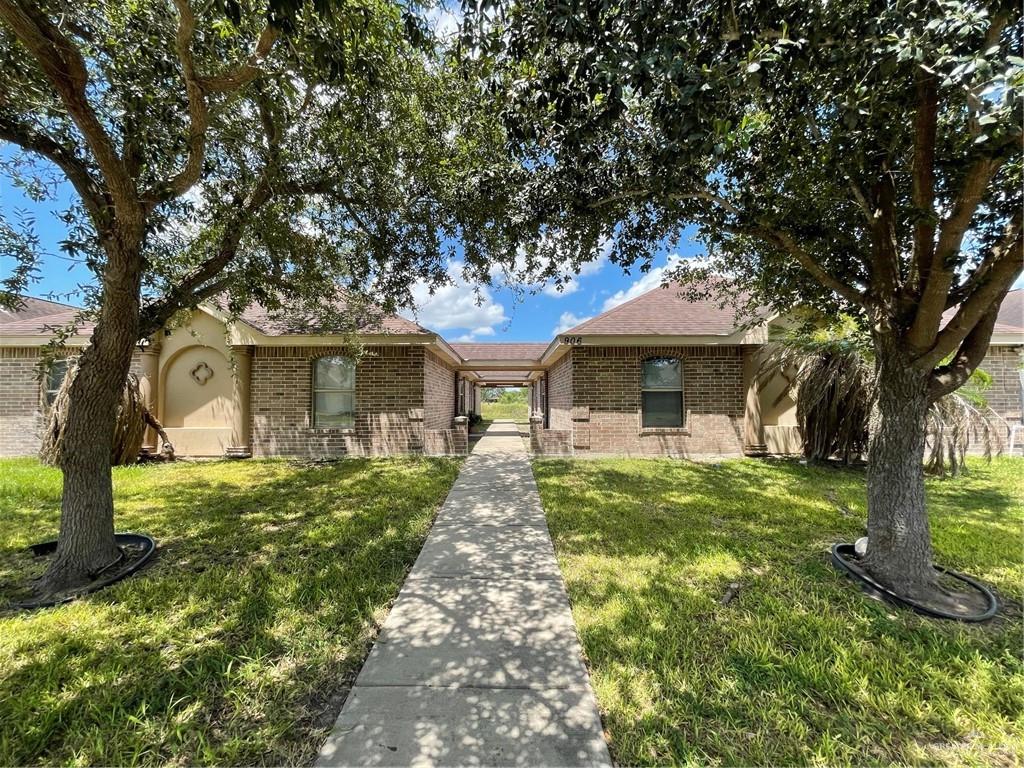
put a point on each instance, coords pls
(235, 644)
(799, 667)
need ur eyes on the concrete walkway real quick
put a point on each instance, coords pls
(478, 662)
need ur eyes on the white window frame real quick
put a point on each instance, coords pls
(49, 395)
(645, 389)
(316, 390)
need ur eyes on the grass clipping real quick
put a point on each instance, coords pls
(129, 427)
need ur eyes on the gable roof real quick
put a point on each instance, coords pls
(1011, 313)
(38, 317)
(1009, 321)
(662, 312)
(286, 323)
(500, 350)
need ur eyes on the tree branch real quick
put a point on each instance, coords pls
(884, 259)
(93, 197)
(198, 113)
(233, 79)
(1007, 262)
(197, 282)
(65, 68)
(785, 241)
(951, 234)
(923, 182)
(972, 351)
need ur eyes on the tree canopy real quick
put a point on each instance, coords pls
(858, 156)
(263, 150)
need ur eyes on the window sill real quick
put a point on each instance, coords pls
(332, 430)
(685, 431)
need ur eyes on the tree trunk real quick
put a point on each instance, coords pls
(85, 544)
(899, 541)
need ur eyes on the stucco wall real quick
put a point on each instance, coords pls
(606, 413)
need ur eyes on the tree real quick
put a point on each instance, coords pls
(832, 376)
(246, 151)
(859, 157)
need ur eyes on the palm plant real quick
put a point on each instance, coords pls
(831, 371)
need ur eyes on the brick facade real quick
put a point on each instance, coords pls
(607, 402)
(404, 404)
(439, 392)
(21, 413)
(605, 413)
(1003, 364)
(22, 405)
(560, 393)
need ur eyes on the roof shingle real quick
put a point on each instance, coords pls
(662, 312)
(37, 317)
(288, 323)
(513, 350)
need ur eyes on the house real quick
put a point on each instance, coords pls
(655, 376)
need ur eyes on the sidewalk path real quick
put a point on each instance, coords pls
(478, 661)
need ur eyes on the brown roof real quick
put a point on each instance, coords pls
(512, 350)
(1011, 313)
(289, 323)
(37, 317)
(663, 312)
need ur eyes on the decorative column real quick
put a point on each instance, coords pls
(149, 378)
(240, 447)
(753, 429)
(460, 428)
(536, 438)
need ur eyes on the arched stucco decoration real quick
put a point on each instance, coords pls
(196, 389)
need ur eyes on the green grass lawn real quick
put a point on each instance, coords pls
(236, 645)
(799, 668)
(519, 412)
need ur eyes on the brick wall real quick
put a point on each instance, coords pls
(389, 403)
(21, 399)
(560, 392)
(606, 413)
(439, 435)
(21, 417)
(439, 393)
(1003, 365)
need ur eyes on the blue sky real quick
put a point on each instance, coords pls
(495, 313)
(453, 311)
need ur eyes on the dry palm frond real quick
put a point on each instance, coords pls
(954, 422)
(129, 427)
(832, 371)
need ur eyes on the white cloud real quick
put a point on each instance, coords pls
(647, 282)
(444, 21)
(569, 286)
(566, 321)
(458, 305)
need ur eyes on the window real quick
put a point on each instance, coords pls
(662, 392)
(334, 393)
(54, 378)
